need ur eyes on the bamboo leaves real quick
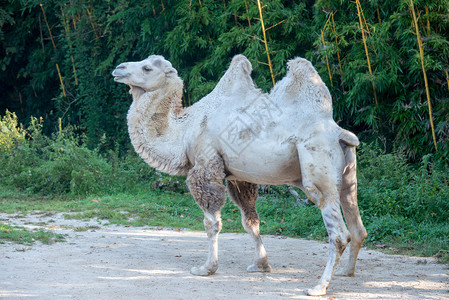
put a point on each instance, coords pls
(367, 49)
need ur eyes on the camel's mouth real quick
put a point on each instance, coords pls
(120, 74)
(119, 78)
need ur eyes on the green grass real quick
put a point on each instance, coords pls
(21, 235)
(150, 207)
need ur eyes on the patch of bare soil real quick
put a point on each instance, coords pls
(112, 262)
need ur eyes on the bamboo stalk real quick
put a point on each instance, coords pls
(74, 22)
(73, 18)
(421, 52)
(428, 22)
(235, 16)
(265, 41)
(327, 60)
(447, 78)
(275, 24)
(54, 46)
(60, 126)
(364, 20)
(247, 13)
(367, 30)
(91, 22)
(48, 26)
(336, 43)
(69, 42)
(359, 8)
(42, 35)
(74, 70)
(262, 63)
(378, 16)
(60, 79)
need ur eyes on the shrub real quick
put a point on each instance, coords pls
(63, 164)
(388, 185)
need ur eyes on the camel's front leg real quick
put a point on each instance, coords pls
(212, 224)
(206, 186)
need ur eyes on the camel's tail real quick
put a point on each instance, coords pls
(349, 138)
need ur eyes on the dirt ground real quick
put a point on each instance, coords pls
(112, 262)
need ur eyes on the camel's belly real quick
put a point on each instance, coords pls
(265, 163)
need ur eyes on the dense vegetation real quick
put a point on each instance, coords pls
(57, 56)
(55, 63)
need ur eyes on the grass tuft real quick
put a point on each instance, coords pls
(21, 235)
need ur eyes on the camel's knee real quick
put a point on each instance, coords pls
(355, 224)
(360, 236)
(340, 243)
(251, 223)
(212, 224)
(313, 194)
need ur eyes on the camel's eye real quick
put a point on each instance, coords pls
(147, 69)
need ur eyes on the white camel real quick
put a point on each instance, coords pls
(247, 137)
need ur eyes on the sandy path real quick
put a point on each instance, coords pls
(138, 263)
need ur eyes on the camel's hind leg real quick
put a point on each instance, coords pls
(321, 180)
(244, 194)
(348, 198)
(206, 186)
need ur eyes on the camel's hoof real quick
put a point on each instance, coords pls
(202, 271)
(259, 268)
(316, 291)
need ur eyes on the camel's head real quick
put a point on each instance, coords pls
(147, 75)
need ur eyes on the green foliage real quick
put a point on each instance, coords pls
(63, 164)
(89, 38)
(402, 114)
(390, 186)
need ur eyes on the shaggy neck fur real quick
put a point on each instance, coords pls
(156, 122)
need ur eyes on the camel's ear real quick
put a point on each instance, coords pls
(165, 66)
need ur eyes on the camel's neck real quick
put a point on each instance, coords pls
(156, 124)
